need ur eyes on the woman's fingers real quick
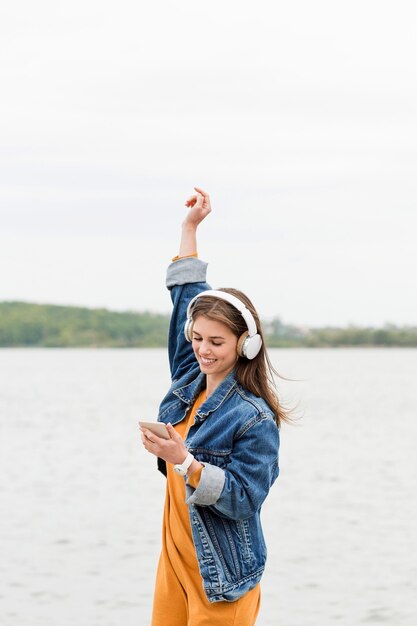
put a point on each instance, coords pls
(205, 205)
(199, 201)
(203, 193)
(173, 433)
(193, 198)
(191, 201)
(146, 436)
(150, 439)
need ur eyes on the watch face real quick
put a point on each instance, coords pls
(179, 470)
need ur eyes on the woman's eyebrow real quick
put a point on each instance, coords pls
(212, 337)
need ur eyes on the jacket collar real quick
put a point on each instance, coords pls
(189, 393)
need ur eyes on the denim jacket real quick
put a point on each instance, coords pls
(236, 439)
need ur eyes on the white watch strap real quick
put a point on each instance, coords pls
(188, 460)
(181, 468)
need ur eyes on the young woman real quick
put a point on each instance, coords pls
(221, 458)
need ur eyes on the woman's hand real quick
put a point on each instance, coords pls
(200, 207)
(171, 450)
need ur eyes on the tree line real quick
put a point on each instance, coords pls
(47, 325)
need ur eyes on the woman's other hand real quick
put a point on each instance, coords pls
(200, 207)
(171, 450)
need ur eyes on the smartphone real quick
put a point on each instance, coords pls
(157, 428)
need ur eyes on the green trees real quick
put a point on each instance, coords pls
(27, 324)
(351, 336)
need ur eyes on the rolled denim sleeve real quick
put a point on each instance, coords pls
(186, 270)
(186, 278)
(209, 487)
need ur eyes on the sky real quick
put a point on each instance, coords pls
(299, 119)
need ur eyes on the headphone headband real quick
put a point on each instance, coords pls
(238, 304)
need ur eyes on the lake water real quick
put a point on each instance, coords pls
(82, 501)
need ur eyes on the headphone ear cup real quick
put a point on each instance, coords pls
(188, 329)
(252, 346)
(248, 346)
(241, 343)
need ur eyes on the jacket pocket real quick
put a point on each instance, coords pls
(220, 531)
(219, 535)
(220, 458)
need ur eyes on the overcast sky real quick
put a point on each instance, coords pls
(299, 118)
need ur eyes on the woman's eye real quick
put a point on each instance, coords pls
(201, 339)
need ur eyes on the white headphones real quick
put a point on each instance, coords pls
(250, 342)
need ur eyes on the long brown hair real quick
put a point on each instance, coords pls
(255, 375)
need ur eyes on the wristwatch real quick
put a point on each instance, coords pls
(181, 468)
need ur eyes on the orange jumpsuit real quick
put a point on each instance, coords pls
(179, 598)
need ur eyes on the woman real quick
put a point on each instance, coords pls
(221, 457)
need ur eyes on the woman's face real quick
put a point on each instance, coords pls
(215, 347)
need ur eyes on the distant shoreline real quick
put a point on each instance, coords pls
(86, 348)
(26, 325)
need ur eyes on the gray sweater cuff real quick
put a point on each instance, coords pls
(209, 488)
(183, 271)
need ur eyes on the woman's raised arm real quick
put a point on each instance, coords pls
(186, 278)
(199, 205)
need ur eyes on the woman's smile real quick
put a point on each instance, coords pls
(206, 361)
